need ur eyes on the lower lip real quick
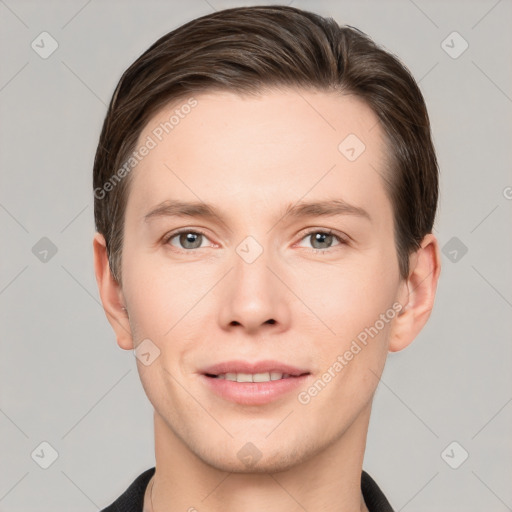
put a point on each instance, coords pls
(254, 393)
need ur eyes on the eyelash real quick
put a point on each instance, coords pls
(342, 240)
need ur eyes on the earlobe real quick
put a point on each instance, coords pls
(417, 294)
(111, 294)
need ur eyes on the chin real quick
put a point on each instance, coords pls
(249, 459)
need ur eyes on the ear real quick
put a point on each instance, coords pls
(111, 294)
(417, 294)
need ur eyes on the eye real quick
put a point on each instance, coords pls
(322, 240)
(187, 239)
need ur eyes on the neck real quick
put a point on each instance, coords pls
(329, 480)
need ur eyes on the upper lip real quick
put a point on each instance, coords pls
(254, 367)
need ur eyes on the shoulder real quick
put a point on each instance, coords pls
(132, 499)
(373, 496)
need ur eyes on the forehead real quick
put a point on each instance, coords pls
(281, 145)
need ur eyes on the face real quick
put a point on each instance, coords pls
(263, 277)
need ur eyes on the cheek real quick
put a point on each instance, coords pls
(359, 312)
(350, 296)
(169, 304)
(160, 303)
(356, 303)
(155, 296)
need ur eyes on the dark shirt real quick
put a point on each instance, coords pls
(132, 500)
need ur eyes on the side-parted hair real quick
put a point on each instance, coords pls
(246, 50)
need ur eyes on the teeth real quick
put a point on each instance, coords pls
(244, 377)
(256, 377)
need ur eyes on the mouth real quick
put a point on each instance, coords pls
(254, 377)
(253, 383)
(267, 370)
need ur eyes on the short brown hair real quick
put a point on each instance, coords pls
(246, 50)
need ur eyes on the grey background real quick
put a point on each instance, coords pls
(63, 378)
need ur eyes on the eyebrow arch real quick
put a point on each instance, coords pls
(326, 208)
(175, 208)
(333, 207)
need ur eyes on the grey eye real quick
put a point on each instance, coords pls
(324, 240)
(187, 240)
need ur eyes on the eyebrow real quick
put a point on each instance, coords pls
(327, 208)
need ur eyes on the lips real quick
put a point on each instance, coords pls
(254, 384)
(258, 367)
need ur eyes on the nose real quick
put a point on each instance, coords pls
(254, 298)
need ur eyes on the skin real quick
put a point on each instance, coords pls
(251, 157)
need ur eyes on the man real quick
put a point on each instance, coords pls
(265, 189)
